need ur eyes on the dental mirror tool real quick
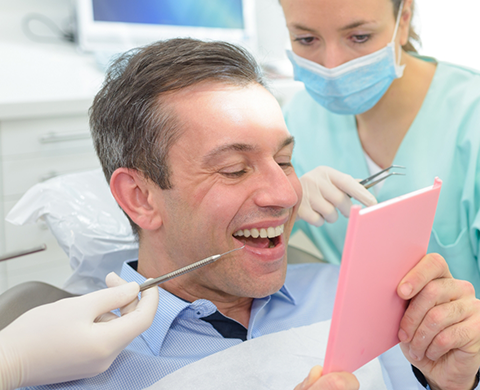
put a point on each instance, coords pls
(184, 270)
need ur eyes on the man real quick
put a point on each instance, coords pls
(198, 156)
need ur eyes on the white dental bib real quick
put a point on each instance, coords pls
(276, 361)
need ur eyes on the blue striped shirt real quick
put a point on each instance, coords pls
(179, 336)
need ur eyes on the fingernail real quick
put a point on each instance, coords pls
(402, 335)
(406, 289)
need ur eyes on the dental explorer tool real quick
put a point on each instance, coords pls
(184, 270)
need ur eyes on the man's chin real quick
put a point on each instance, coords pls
(267, 285)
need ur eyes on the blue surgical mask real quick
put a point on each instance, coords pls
(355, 86)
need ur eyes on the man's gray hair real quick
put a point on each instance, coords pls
(131, 122)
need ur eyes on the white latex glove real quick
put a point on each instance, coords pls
(75, 337)
(325, 190)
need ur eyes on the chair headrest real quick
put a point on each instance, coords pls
(87, 222)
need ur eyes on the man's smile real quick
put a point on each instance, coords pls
(260, 237)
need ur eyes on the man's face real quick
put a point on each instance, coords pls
(232, 180)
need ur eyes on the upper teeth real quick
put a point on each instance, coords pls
(263, 233)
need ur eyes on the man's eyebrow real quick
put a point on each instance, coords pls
(288, 141)
(240, 147)
(237, 147)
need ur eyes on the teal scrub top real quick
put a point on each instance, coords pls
(443, 141)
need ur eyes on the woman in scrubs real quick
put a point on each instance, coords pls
(369, 102)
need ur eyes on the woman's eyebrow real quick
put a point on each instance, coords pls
(355, 24)
(299, 26)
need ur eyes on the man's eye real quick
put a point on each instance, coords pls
(360, 38)
(235, 174)
(304, 40)
(285, 165)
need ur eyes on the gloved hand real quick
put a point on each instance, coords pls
(325, 190)
(75, 337)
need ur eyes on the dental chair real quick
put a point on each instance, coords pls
(25, 296)
(90, 227)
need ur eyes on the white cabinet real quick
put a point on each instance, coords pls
(33, 150)
(45, 93)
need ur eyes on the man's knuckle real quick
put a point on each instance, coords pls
(431, 291)
(438, 262)
(475, 306)
(434, 318)
(466, 287)
(443, 340)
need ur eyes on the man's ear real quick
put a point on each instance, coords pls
(134, 194)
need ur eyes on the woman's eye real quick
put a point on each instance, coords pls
(304, 40)
(360, 38)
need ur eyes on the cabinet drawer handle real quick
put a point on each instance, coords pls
(55, 137)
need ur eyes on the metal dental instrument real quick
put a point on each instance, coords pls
(12, 255)
(184, 270)
(367, 183)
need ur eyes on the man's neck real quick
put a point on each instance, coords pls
(235, 308)
(190, 287)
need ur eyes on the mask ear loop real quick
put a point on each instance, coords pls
(397, 23)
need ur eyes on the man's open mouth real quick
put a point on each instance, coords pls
(260, 238)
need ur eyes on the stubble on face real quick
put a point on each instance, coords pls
(210, 201)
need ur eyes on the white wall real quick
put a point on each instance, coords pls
(12, 13)
(449, 30)
(271, 30)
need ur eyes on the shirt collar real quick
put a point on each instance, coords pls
(169, 307)
(286, 292)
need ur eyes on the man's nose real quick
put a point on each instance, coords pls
(276, 188)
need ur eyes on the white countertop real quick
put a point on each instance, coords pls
(44, 79)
